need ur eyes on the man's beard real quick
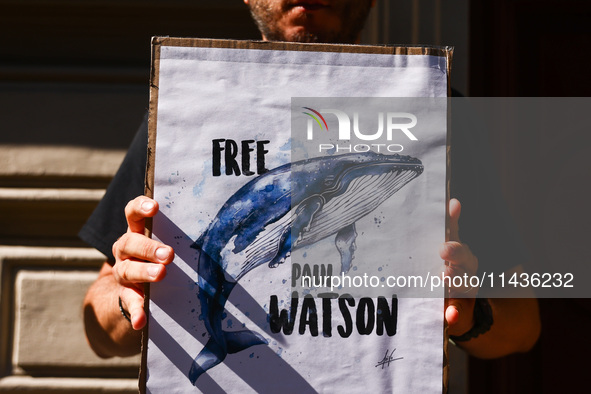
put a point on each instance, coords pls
(352, 14)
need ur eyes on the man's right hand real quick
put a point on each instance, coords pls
(138, 259)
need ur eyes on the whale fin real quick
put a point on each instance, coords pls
(210, 356)
(213, 354)
(304, 215)
(345, 243)
(301, 222)
(240, 340)
(284, 249)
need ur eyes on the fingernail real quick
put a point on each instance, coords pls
(147, 206)
(133, 321)
(162, 254)
(154, 270)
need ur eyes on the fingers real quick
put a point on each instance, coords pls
(455, 208)
(136, 212)
(138, 259)
(459, 256)
(132, 300)
(140, 247)
(459, 315)
(459, 312)
(459, 262)
(130, 272)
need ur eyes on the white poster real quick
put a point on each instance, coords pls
(254, 199)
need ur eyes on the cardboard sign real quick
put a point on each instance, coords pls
(277, 166)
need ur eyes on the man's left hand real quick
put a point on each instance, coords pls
(459, 260)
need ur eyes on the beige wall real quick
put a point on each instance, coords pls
(43, 278)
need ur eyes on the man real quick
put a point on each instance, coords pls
(137, 259)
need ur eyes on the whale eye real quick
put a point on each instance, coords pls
(329, 180)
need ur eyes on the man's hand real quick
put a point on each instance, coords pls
(138, 259)
(516, 325)
(459, 260)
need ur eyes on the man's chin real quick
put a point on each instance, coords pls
(302, 35)
(307, 34)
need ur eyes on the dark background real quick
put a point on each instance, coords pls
(75, 73)
(84, 64)
(540, 49)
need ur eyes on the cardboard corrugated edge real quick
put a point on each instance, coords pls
(449, 56)
(291, 46)
(149, 191)
(158, 42)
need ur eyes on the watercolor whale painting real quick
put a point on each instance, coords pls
(289, 207)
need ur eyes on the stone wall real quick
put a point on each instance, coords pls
(45, 271)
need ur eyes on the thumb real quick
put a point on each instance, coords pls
(455, 208)
(452, 315)
(459, 315)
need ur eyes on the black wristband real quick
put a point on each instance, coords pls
(125, 314)
(483, 320)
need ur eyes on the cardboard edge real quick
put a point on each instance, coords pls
(448, 56)
(149, 191)
(292, 46)
(158, 42)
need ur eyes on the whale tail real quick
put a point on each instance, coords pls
(213, 353)
(214, 291)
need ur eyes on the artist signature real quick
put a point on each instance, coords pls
(388, 358)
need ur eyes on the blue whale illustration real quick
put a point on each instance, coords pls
(286, 208)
